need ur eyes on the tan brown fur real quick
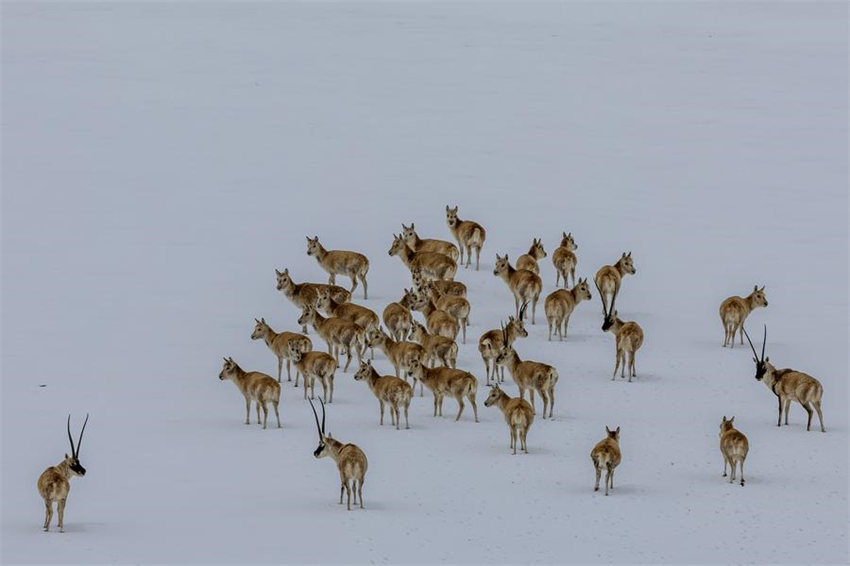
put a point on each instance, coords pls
(437, 348)
(397, 316)
(469, 236)
(606, 456)
(628, 338)
(560, 304)
(352, 465)
(315, 366)
(458, 307)
(564, 259)
(525, 285)
(339, 334)
(517, 412)
(443, 381)
(304, 294)
(255, 386)
(531, 376)
(430, 264)
(389, 390)
(437, 321)
(278, 343)
(363, 317)
(400, 354)
(53, 486)
(417, 244)
(792, 385)
(735, 310)
(491, 342)
(340, 262)
(609, 278)
(734, 447)
(455, 288)
(529, 260)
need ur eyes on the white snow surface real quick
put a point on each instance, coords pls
(160, 160)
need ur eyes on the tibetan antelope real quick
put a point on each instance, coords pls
(255, 386)
(340, 262)
(524, 284)
(531, 376)
(417, 244)
(437, 321)
(338, 333)
(518, 414)
(400, 354)
(54, 483)
(491, 343)
(606, 456)
(469, 235)
(278, 343)
(431, 265)
(564, 259)
(559, 305)
(789, 385)
(389, 390)
(437, 348)
(315, 366)
(397, 316)
(455, 288)
(444, 381)
(734, 447)
(628, 338)
(363, 317)
(735, 310)
(457, 307)
(529, 260)
(302, 294)
(609, 278)
(350, 460)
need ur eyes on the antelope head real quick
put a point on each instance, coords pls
(757, 297)
(415, 369)
(610, 320)
(408, 233)
(502, 265)
(582, 290)
(451, 216)
(762, 363)
(260, 329)
(308, 315)
(284, 281)
(494, 396)
(228, 370)
(364, 372)
(398, 246)
(626, 263)
(313, 245)
(726, 424)
(320, 451)
(568, 242)
(73, 460)
(615, 434)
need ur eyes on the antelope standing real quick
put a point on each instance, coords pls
(518, 414)
(278, 343)
(437, 348)
(389, 390)
(363, 317)
(735, 310)
(564, 259)
(606, 456)
(444, 381)
(457, 307)
(400, 354)
(789, 385)
(338, 333)
(559, 305)
(529, 261)
(350, 460)
(340, 262)
(455, 288)
(54, 483)
(303, 294)
(417, 244)
(255, 386)
(437, 321)
(628, 338)
(734, 447)
(397, 316)
(609, 278)
(524, 284)
(491, 343)
(469, 235)
(431, 265)
(315, 366)
(533, 376)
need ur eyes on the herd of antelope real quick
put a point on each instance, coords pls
(425, 353)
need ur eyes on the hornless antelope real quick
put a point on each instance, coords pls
(529, 261)
(302, 294)
(518, 414)
(399, 354)
(524, 284)
(734, 447)
(437, 321)
(444, 381)
(315, 366)
(469, 235)
(255, 386)
(533, 376)
(340, 262)
(735, 310)
(455, 288)
(363, 317)
(457, 307)
(397, 316)
(338, 333)
(606, 456)
(350, 460)
(431, 265)
(278, 343)
(609, 278)
(788, 385)
(54, 483)
(564, 259)
(559, 305)
(491, 343)
(628, 338)
(389, 390)
(437, 348)
(417, 244)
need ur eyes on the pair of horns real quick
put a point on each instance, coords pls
(321, 429)
(763, 345)
(75, 451)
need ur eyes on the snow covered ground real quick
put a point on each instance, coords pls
(161, 160)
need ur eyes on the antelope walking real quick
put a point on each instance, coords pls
(457, 307)
(529, 260)
(338, 333)
(559, 305)
(304, 294)
(340, 262)
(437, 321)
(417, 244)
(315, 366)
(734, 447)
(444, 381)
(350, 460)
(518, 414)
(491, 342)
(735, 310)
(431, 265)
(278, 343)
(564, 259)
(628, 338)
(524, 284)
(400, 354)
(437, 348)
(397, 316)
(531, 376)
(54, 483)
(606, 456)
(455, 288)
(789, 385)
(361, 316)
(389, 390)
(609, 278)
(469, 235)
(255, 386)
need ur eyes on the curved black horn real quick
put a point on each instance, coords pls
(323, 415)
(755, 354)
(80, 440)
(764, 342)
(522, 311)
(73, 451)
(316, 416)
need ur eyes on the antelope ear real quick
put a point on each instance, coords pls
(724, 419)
(732, 420)
(624, 254)
(230, 359)
(608, 429)
(755, 288)
(767, 359)
(66, 455)
(629, 254)
(506, 257)
(263, 320)
(225, 359)
(286, 271)
(308, 238)
(618, 430)
(570, 234)
(762, 288)
(277, 272)
(412, 226)
(256, 320)
(447, 208)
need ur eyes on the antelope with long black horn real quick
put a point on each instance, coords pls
(54, 482)
(349, 458)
